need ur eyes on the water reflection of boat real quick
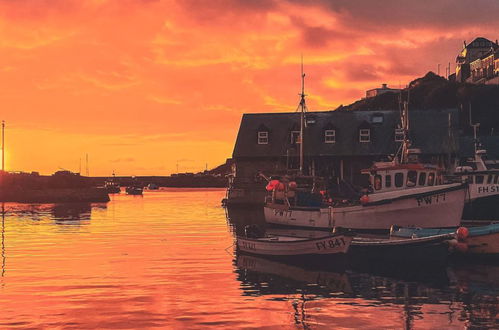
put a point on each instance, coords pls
(330, 280)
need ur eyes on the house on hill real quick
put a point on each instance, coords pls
(475, 60)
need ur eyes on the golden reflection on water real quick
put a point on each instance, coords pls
(166, 260)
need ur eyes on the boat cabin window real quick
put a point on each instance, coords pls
(422, 178)
(263, 137)
(431, 179)
(388, 181)
(412, 177)
(399, 179)
(495, 178)
(377, 182)
(489, 178)
(470, 178)
(479, 179)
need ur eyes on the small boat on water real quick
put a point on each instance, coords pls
(134, 190)
(112, 187)
(152, 186)
(425, 249)
(288, 246)
(483, 240)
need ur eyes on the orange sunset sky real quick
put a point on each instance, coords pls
(141, 85)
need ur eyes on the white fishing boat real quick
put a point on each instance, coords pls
(403, 192)
(282, 246)
(482, 176)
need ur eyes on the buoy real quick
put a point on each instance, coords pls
(269, 187)
(292, 185)
(462, 233)
(280, 186)
(364, 199)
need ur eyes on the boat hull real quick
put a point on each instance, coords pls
(288, 246)
(483, 241)
(427, 249)
(435, 209)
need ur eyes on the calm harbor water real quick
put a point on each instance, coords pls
(166, 260)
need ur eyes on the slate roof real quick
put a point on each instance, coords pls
(428, 131)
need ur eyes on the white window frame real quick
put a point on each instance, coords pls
(297, 139)
(330, 136)
(363, 134)
(399, 132)
(263, 137)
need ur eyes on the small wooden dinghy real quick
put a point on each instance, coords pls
(282, 246)
(482, 240)
(425, 249)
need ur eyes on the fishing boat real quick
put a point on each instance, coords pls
(152, 186)
(288, 246)
(134, 190)
(482, 240)
(112, 187)
(482, 176)
(434, 248)
(403, 191)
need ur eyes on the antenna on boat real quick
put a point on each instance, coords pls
(303, 109)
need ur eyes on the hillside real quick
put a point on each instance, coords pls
(433, 92)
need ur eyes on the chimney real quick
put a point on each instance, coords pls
(383, 86)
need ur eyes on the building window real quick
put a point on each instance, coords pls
(377, 119)
(330, 136)
(399, 135)
(295, 137)
(364, 135)
(263, 137)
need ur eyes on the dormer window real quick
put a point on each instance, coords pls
(295, 137)
(377, 118)
(330, 136)
(399, 135)
(364, 135)
(263, 137)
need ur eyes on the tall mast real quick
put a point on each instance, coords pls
(3, 145)
(303, 109)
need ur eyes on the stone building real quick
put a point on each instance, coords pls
(337, 145)
(378, 91)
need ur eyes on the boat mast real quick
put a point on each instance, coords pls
(3, 145)
(303, 109)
